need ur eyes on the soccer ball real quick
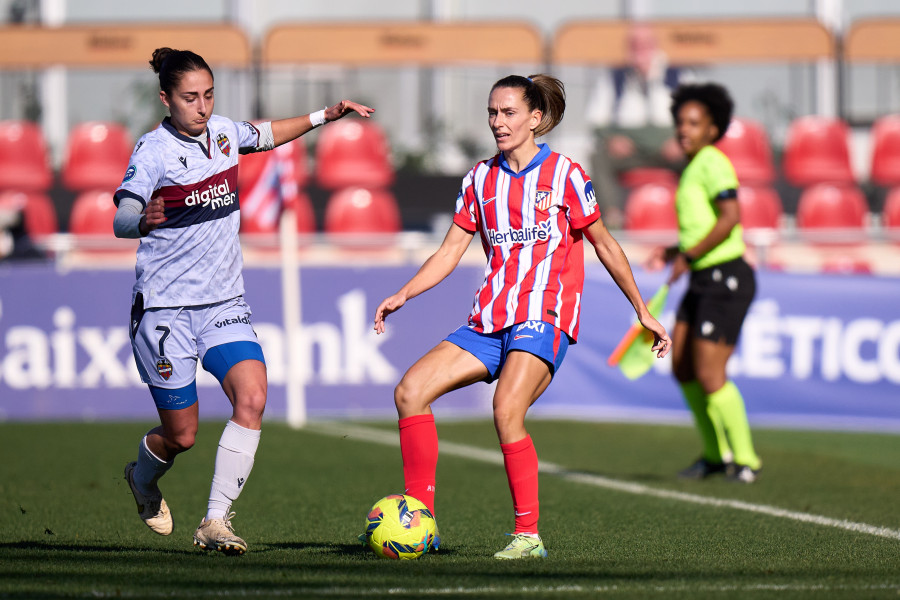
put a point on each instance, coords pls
(400, 527)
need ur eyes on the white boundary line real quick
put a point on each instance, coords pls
(391, 438)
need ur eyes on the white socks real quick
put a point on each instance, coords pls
(234, 460)
(149, 469)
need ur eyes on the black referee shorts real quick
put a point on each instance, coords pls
(717, 300)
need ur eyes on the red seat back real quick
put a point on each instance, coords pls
(37, 210)
(644, 175)
(817, 151)
(97, 156)
(360, 210)
(890, 216)
(353, 152)
(92, 214)
(23, 157)
(651, 207)
(747, 145)
(827, 206)
(760, 207)
(886, 151)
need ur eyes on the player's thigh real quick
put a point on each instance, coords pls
(444, 368)
(522, 381)
(164, 350)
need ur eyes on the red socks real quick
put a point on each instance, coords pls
(521, 462)
(419, 449)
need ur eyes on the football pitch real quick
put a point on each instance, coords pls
(822, 521)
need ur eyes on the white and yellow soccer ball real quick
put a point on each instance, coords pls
(400, 527)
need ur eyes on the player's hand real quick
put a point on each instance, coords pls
(154, 216)
(680, 266)
(656, 259)
(387, 306)
(661, 341)
(345, 107)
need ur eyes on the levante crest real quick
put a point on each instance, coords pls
(224, 144)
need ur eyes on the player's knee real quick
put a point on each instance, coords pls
(251, 402)
(407, 397)
(181, 441)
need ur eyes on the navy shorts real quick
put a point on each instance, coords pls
(535, 337)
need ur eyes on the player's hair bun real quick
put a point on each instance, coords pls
(159, 56)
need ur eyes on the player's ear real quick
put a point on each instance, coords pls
(536, 116)
(164, 98)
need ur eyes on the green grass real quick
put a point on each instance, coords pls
(68, 526)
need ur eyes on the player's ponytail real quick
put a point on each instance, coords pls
(541, 92)
(171, 65)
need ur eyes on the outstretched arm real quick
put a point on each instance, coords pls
(286, 130)
(613, 258)
(432, 272)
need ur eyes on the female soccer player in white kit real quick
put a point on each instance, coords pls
(531, 207)
(179, 195)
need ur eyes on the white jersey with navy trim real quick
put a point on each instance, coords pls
(194, 257)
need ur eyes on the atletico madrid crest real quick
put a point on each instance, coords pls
(543, 200)
(164, 368)
(224, 144)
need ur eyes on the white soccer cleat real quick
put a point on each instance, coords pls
(218, 534)
(523, 545)
(153, 509)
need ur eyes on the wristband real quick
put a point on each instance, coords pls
(317, 118)
(687, 257)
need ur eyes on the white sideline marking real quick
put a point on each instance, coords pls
(390, 438)
(502, 592)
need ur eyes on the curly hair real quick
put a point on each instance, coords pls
(713, 96)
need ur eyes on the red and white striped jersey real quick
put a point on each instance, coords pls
(530, 224)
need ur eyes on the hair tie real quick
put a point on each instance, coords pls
(530, 80)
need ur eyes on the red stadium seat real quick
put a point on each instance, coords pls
(37, 211)
(92, 214)
(97, 156)
(827, 206)
(651, 207)
(885, 168)
(358, 210)
(890, 216)
(760, 207)
(23, 157)
(817, 151)
(747, 145)
(642, 176)
(251, 166)
(353, 152)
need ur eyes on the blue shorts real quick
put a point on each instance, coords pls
(534, 337)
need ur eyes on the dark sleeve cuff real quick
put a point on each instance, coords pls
(126, 194)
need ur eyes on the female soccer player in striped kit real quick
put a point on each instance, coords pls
(179, 196)
(531, 208)
(721, 288)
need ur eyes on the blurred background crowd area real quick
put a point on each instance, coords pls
(815, 141)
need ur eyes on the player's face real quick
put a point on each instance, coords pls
(694, 127)
(511, 122)
(191, 103)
